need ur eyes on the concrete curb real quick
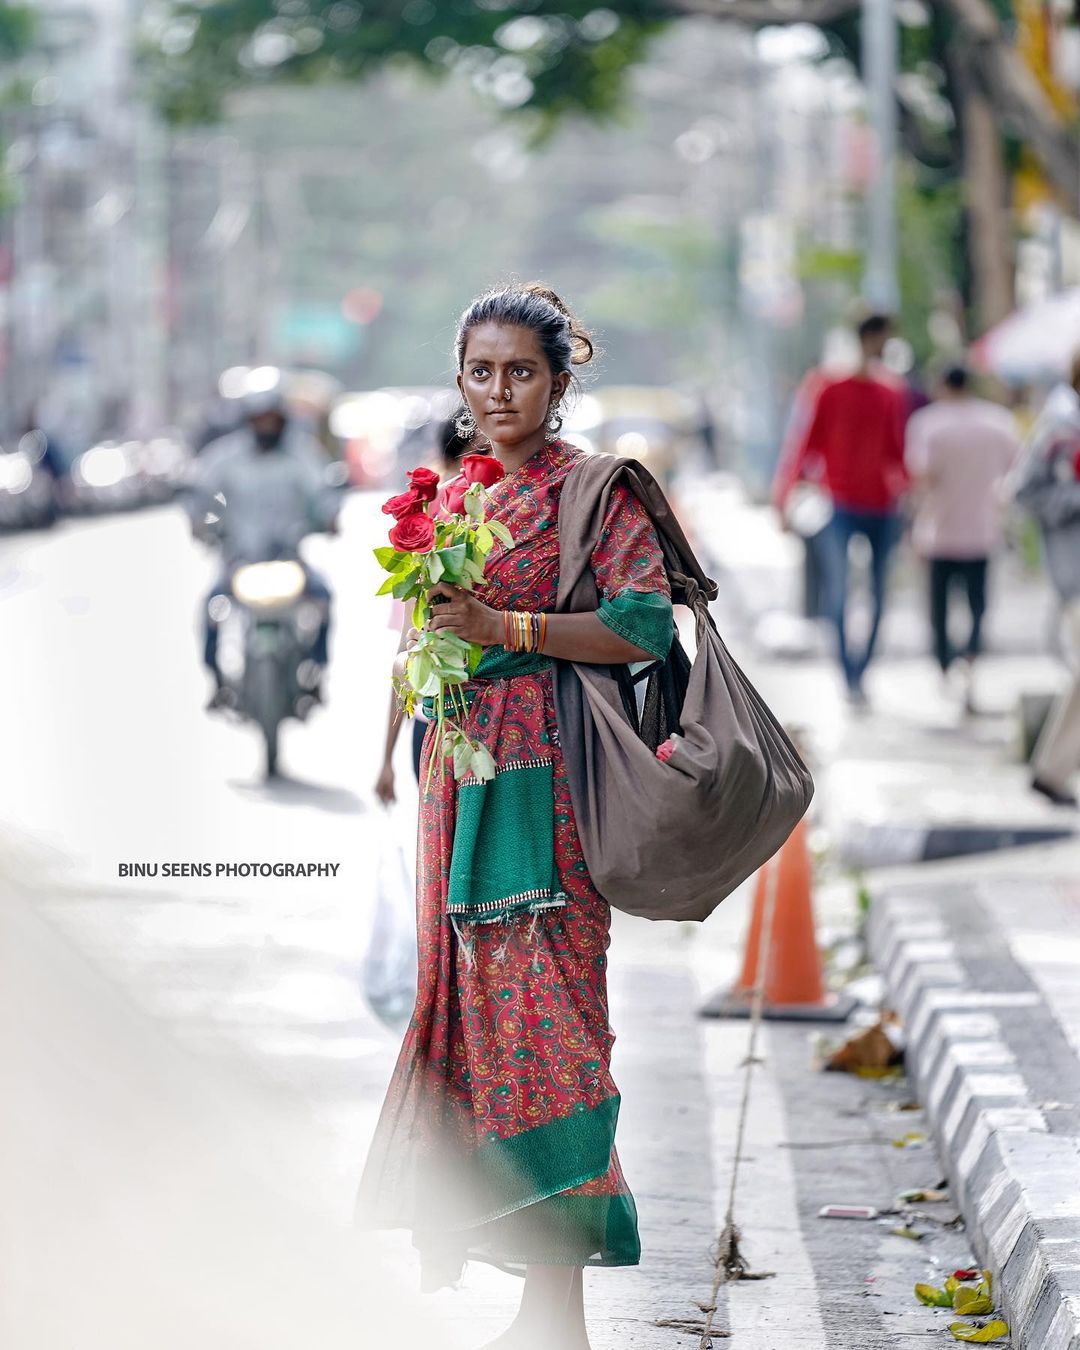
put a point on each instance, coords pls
(1016, 1180)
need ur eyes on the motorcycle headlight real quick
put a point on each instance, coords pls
(266, 585)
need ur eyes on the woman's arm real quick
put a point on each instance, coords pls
(384, 784)
(570, 637)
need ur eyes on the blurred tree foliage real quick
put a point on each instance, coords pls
(543, 60)
(546, 60)
(17, 28)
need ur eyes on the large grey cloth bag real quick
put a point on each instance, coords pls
(666, 840)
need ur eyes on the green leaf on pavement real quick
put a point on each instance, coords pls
(972, 1302)
(976, 1335)
(932, 1296)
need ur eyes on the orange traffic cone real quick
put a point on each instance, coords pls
(794, 985)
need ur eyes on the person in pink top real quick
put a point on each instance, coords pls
(959, 451)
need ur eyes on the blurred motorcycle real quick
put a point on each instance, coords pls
(266, 628)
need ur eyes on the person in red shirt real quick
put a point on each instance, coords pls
(854, 447)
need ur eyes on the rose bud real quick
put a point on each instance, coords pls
(452, 497)
(404, 504)
(484, 469)
(424, 482)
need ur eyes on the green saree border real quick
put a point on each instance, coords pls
(562, 1230)
(513, 1173)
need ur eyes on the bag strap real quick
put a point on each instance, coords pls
(595, 475)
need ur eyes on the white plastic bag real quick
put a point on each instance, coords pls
(388, 970)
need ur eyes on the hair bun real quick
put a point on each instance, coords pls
(583, 349)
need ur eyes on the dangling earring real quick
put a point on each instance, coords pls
(465, 424)
(554, 421)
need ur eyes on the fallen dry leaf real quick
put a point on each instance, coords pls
(976, 1335)
(871, 1053)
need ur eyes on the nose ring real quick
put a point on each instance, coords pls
(507, 395)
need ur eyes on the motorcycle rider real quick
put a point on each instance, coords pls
(256, 493)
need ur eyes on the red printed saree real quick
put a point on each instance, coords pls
(496, 1140)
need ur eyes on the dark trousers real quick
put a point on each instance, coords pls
(316, 588)
(946, 574)
(880, 530)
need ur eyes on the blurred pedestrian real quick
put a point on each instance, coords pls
(450, 445)
(497, 1139)
(959, 451)
(256, 494)
(1048, 485)
(854, 446)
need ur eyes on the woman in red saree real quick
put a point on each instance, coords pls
(496, 1141)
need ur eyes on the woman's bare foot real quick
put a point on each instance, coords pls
(552, 1313)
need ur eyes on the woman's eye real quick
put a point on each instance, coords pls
(479, 371)
(523, 371)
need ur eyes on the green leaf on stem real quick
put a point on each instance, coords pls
(462, 757)
(387, 586)
(420, 613)
(501, 533)
(485, 540)
(475, 502)
(472, 572)
(435, 568)
(452, 559)
(483, 766)
(389, 558)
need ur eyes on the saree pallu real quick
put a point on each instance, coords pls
(497, 1138)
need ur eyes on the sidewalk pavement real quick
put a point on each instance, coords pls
(980, 955)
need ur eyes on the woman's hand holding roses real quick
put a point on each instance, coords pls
(459, 611)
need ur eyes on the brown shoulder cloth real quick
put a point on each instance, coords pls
(666, 840)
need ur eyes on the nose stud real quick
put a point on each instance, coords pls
(507, 395)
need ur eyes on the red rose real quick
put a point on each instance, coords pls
(425, 483)
(405, 504)
(452, 497)
(484, 469)
(414, 533)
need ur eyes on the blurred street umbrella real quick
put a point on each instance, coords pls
(1036, 343)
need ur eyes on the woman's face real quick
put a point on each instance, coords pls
(500, 360)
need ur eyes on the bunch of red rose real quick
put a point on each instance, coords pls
(415, 528)
(442, 535)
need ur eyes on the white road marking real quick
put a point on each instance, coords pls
(784, 1311)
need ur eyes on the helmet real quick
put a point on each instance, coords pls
(265, 393)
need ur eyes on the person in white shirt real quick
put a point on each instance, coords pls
(959, 451)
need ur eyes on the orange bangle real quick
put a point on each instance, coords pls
(543, 633)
